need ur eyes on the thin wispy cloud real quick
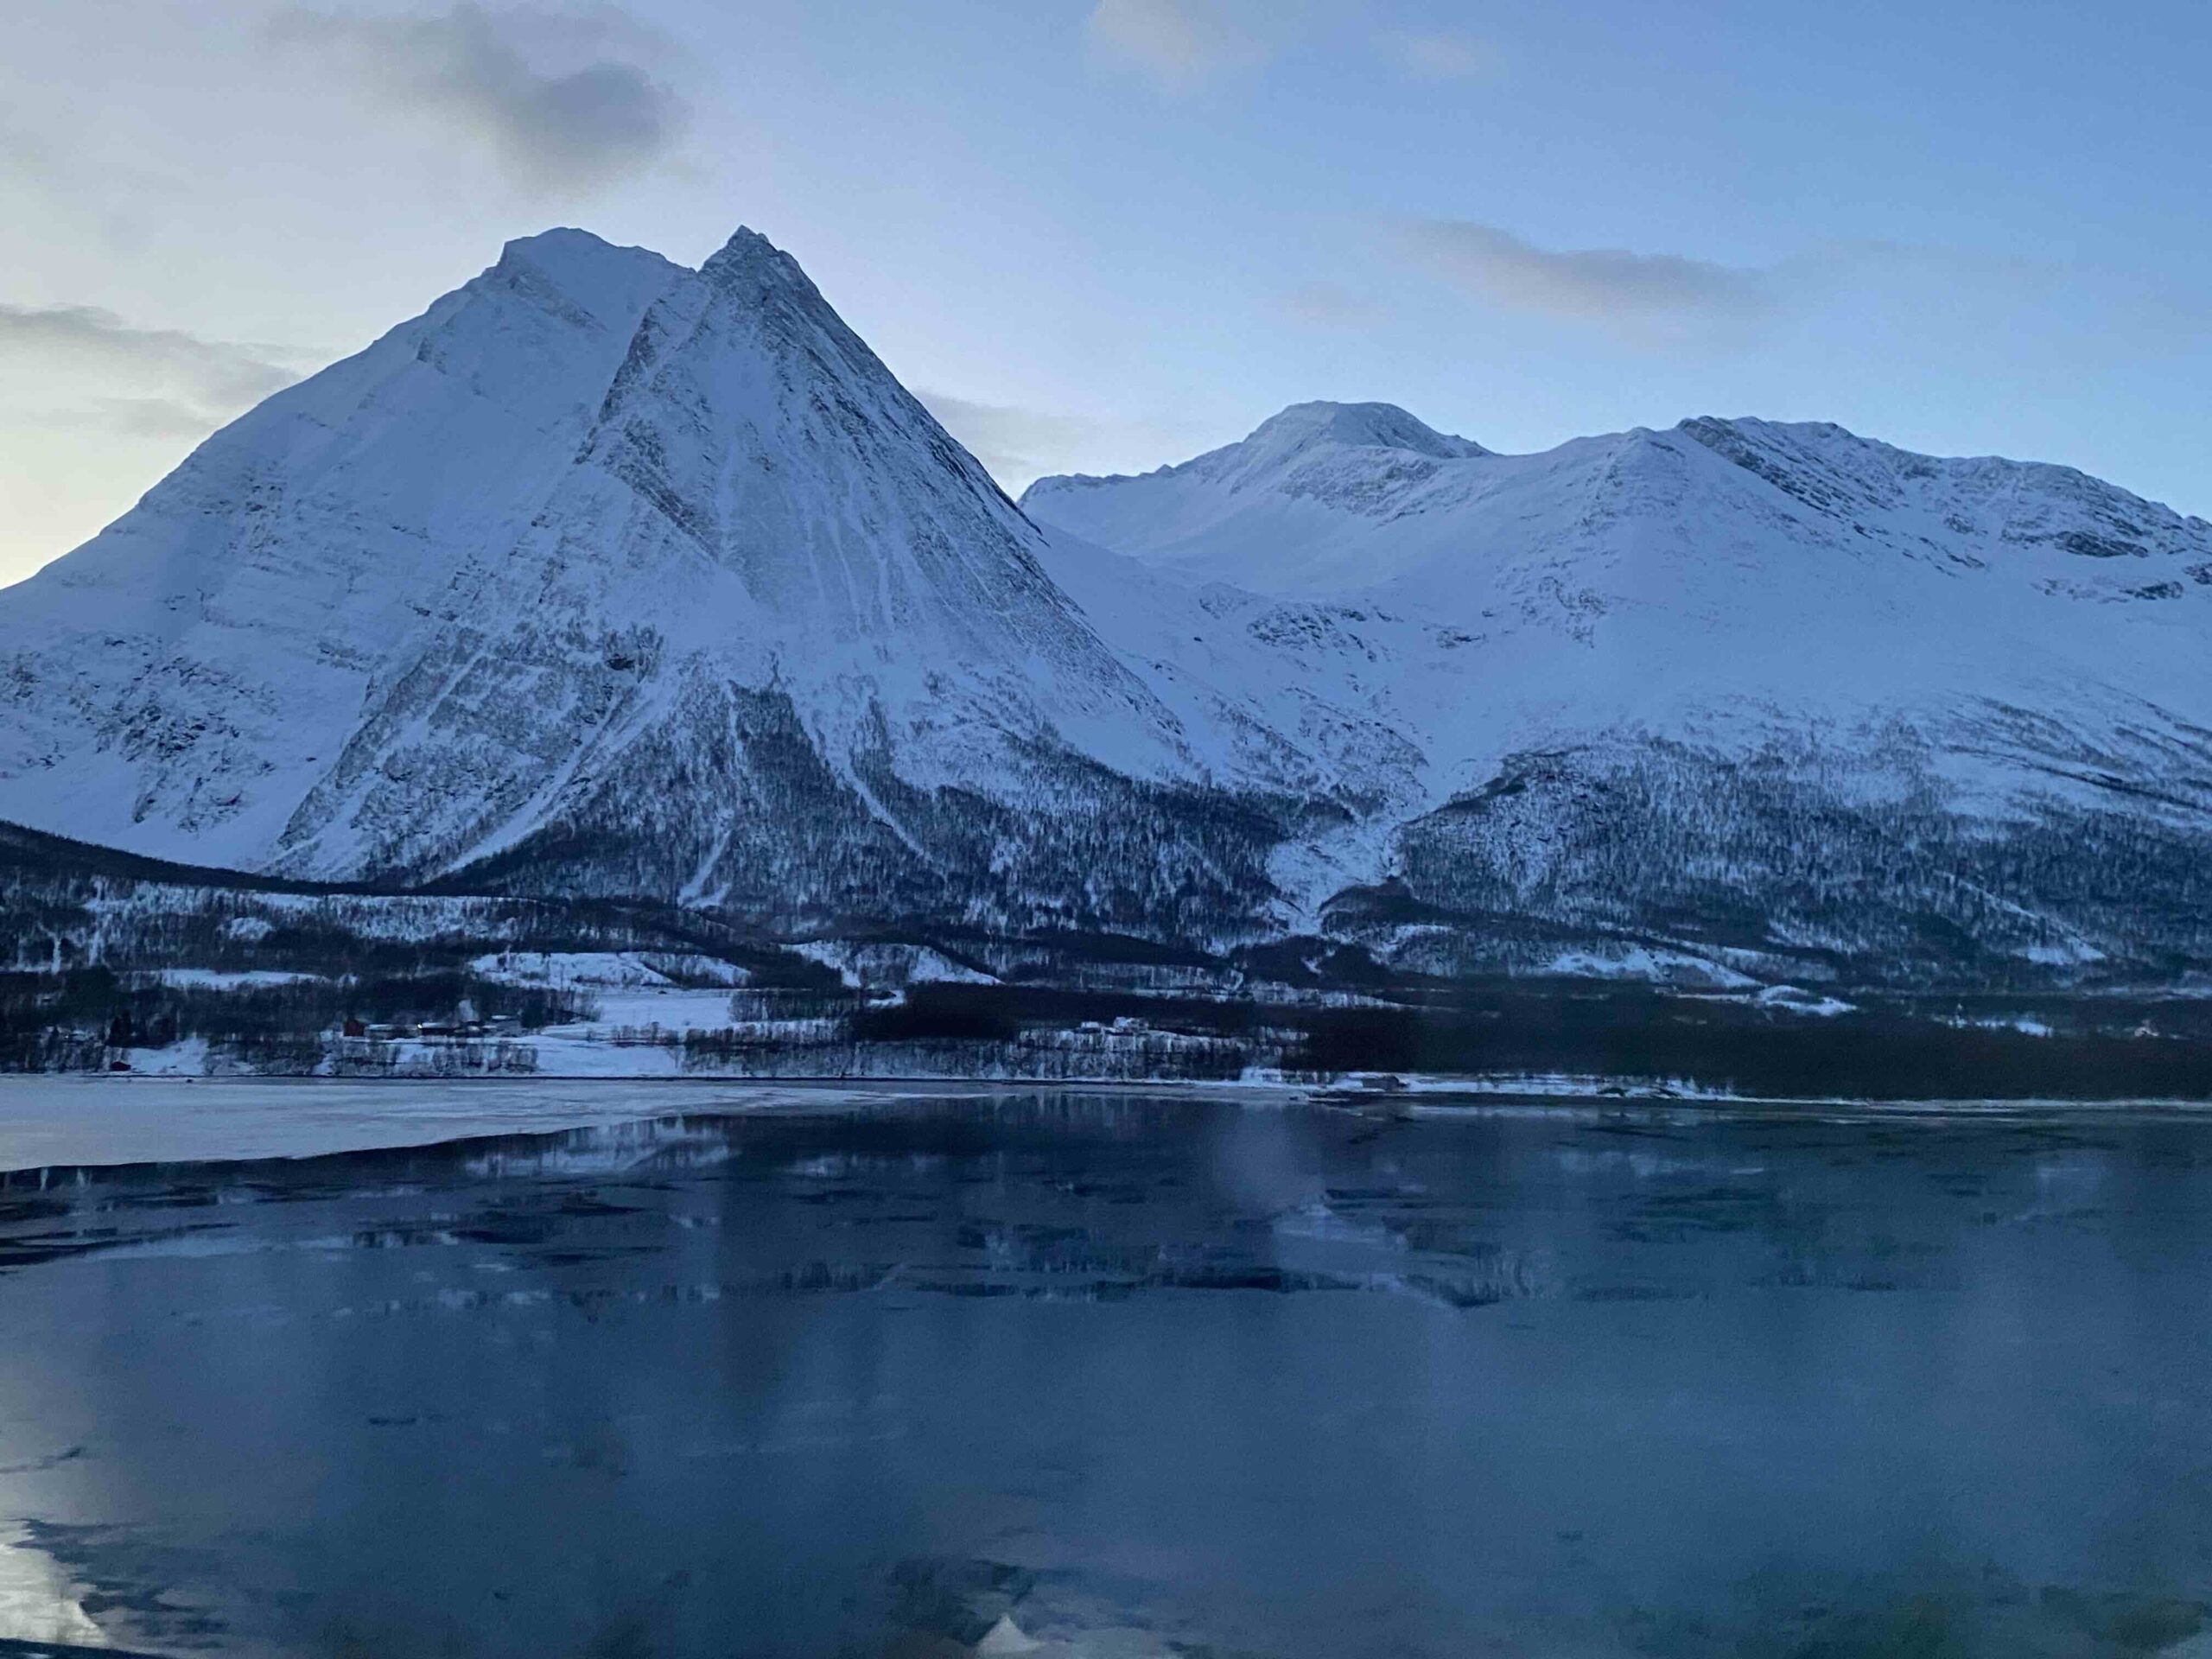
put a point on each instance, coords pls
(62, 345)
(564, 102)
(1613, 286)
(1180, 44)
(1669, 299)
(1442, 55)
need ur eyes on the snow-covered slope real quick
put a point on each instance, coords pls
(611, 575)
(175, 685)
(1734, 670)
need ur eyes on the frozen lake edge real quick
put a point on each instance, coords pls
(49, 1123)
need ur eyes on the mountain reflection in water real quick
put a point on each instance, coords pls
(1129, 1374)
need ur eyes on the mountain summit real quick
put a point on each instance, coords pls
(1360, 426)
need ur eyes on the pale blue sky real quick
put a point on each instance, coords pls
(1105, 234)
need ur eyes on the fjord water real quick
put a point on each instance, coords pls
(1140, 1374)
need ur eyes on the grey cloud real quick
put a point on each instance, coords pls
(1974, 293)
(564, 102)
(1611, 286)
(221, 377)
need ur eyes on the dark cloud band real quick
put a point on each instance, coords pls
(561, 103)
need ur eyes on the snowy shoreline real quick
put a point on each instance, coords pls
(75, 1123)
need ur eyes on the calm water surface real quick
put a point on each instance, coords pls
(1136, 1376)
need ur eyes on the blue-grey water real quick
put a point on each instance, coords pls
(1134, 1375)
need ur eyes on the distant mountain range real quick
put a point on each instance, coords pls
(606, 580)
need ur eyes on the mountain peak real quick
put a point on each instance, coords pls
(565, 264)
(554, 240)
(1360, 426)
(750, 256)
(564, 249)
(566, 270)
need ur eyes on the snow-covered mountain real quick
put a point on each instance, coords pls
(609, 578)
(1650, 576)
(606, 575)
(1762, 687)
